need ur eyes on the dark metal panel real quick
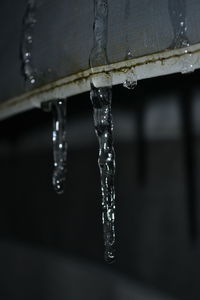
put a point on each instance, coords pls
(11, 15)
(63, 36)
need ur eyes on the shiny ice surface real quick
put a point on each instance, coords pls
(58, 108)
(29, 22)
(177, 12)
(101, 99)
(131, 78)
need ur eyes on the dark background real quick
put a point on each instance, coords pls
(51, 246)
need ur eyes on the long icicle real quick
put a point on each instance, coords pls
(58, 108)
(101, 99)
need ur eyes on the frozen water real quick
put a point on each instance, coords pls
(98, 55)
(58, 108)
(101, 99)
(131, 78)
(177, 11)
(29, 22)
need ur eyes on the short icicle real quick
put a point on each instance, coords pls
(131, 78)
(29, 22)
(58, 108)
(177, 12)
(101, 98)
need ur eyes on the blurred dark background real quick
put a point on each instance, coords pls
(51, 246)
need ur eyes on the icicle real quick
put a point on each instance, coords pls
(58, 108)
(101, 99)
(131, 78)
(98, 55)
(177, 11)
(29, 22)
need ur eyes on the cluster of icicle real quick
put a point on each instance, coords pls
(101, 99)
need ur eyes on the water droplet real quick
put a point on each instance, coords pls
(131, 79)
(29, 21)
(187, 64)
(32, 80)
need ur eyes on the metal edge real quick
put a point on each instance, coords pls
(153, 65)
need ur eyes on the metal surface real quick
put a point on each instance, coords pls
(62, 41)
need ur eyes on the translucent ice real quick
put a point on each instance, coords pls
(29, 22)
(101, 99)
